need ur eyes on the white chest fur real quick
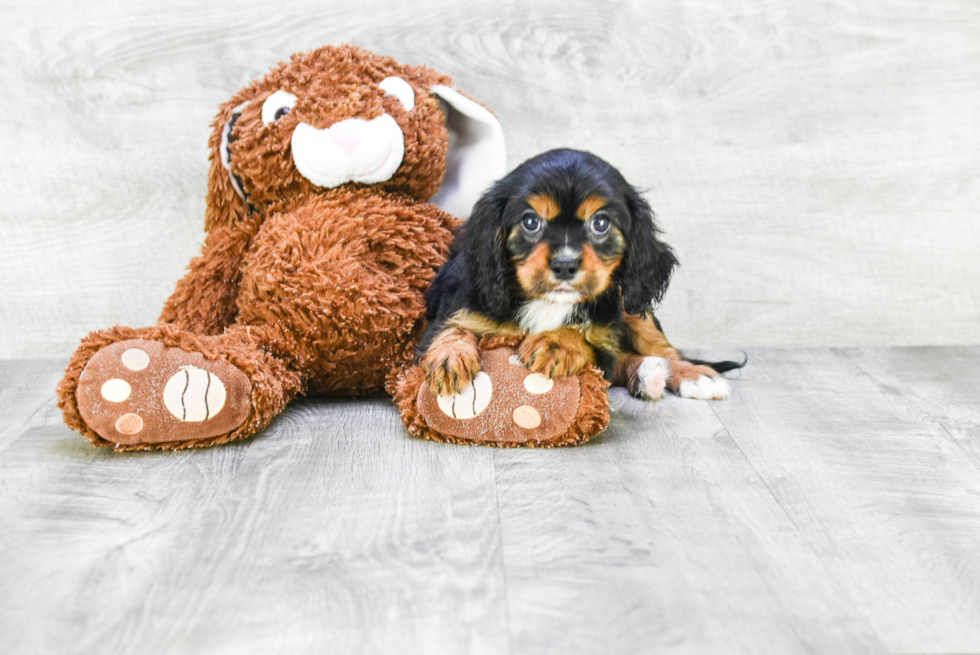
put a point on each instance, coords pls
(543, 315)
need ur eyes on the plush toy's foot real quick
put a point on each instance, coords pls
(507, 405)
(140, 391)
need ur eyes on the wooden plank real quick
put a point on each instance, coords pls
(792, 152)
(332, 532)
(889, 502)
(944, 383)
(822, 509)
(27, 391)
(660, 537)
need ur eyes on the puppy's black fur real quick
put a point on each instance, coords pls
(480, 273)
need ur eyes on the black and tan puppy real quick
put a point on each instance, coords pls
(566, 253)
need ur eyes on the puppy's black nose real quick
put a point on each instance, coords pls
(564, 268)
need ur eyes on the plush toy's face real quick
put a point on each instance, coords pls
(335, 116)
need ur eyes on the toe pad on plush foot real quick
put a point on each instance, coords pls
(141, 391)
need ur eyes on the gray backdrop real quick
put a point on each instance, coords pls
(814, 164)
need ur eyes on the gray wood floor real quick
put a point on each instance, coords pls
(832, 506)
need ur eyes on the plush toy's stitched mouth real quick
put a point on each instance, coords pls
(353, 150)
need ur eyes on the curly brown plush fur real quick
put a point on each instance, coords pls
(570, 424)
(304, 288)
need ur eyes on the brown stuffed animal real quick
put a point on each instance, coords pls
(507, 405)
(321, 244)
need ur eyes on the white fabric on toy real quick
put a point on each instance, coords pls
(226, 153)
(396, 86)
(353, 150)
(477, 155)
(276, 105)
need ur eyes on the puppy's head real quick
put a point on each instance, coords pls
(565, 227)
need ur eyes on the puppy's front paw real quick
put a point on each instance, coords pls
(451, 363)
(558, 353)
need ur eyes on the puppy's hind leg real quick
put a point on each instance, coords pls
(688, 379)
(697, 381)
(643, 377)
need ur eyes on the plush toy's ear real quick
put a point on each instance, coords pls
(226, 200)
(648, 262)
(476, 157)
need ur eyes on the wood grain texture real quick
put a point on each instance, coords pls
(331, 533)
(943, 383)
(660, 537)
(888, 501)
(814, 165)
(831, 506)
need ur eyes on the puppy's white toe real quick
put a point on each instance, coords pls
(705, 388)
(652, 377)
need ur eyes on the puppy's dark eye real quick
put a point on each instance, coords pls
(599, 224)
(282, 111)
(531, 223)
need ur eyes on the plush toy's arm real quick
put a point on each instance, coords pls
(204, 300)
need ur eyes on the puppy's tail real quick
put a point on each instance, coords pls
(724, 366)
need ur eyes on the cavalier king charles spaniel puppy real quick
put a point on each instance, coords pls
(564, 252)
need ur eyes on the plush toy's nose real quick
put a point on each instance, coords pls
(353, 150)
(349, 133)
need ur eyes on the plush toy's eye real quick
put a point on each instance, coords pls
(599, 224)
(396, 86)
(531, 223)
(277, 105)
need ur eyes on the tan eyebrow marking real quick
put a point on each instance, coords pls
(589, 206)
(546, 206)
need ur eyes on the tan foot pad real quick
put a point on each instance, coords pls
(506, 404)
(140, 391)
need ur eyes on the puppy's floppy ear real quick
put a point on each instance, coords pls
(648, 262)
(483, 242)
